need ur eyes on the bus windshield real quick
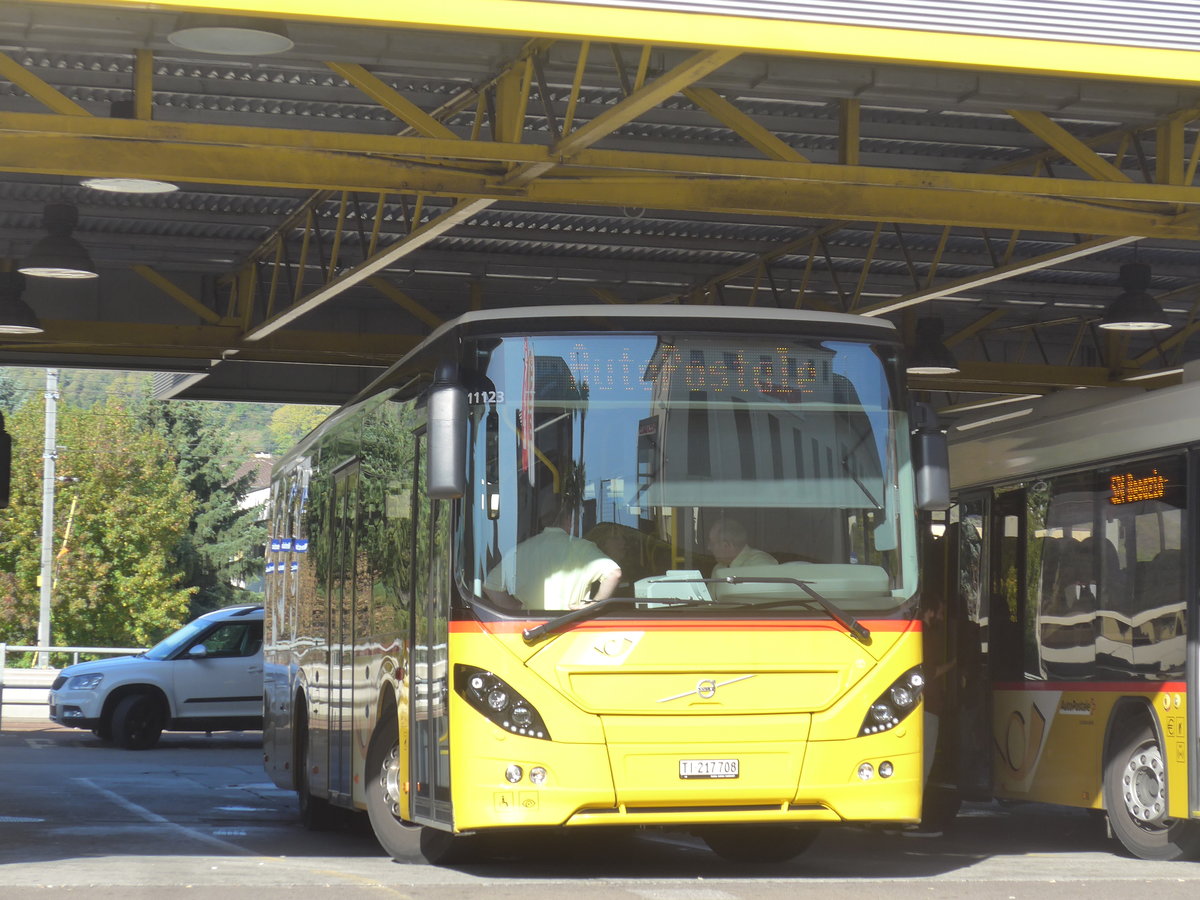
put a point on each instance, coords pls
(655, 466)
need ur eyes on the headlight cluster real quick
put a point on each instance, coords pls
(493, 697)
(85, 682)
(894, 704)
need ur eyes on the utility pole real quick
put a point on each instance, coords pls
(49, 457)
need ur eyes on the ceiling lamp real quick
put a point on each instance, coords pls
(1135, 309)
(231, 36)
(15, 315)
(930, 355)
(58, 255)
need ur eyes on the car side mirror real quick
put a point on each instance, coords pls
(199, 651)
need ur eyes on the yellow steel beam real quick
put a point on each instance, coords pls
(405, 301)
(143, 84)
(280, 157)
(610, 120)
(178, 294)
(642, 100)
(849, 131)
(1068, 145)
(972, 209)
(852, 193)
(794, 37)
(742, 125)
(975, 327)
(39, 90)
(392, 100)
(1001, 273)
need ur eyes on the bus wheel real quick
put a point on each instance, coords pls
(137, 722)
(444, 848)
(316, 813)
(1135, 794)
(385, 796)
(759, 843)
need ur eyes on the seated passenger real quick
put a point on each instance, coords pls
(727, 543)
(553, 570)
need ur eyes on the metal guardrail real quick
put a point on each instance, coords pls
(28, 683)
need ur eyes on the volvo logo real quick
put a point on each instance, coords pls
(705, 689)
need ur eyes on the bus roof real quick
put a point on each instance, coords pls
(1072, 429)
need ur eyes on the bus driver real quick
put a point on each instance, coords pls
(553, 570)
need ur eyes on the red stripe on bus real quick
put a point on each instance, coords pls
(1083, 687)
(884, 625)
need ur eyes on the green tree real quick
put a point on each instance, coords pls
(291, 422)
(223, 544)
(116, 581)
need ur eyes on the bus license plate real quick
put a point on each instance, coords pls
(708, 768)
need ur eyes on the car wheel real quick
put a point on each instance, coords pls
(384, 794)
(137, 722)
(1135, 795)
(758, 843)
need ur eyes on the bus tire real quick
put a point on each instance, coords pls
(1135, 796)
(385, 795)
(316, 813)
(444, 848)
(759, 843)
(137, 722)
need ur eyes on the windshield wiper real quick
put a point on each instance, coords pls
(593, 611)
(835, 612)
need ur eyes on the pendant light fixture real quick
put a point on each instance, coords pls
(58, 255)
(230, 35)
(1134, 309)
(16, 317)
(930, 355)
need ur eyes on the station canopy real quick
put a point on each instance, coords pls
(280, 197)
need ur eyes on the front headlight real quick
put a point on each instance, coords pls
(893, 705)
(85, 682)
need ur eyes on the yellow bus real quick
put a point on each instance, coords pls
(1071, 598)
(567, 567)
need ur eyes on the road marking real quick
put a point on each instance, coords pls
(18, 820)
(39, 743)
(159, 820)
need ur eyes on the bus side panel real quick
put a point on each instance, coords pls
(1049, 741)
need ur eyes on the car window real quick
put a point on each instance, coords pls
(234, 639)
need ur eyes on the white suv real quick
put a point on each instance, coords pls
(207, 676)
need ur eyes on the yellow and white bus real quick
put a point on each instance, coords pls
(1071, 584)
(415, 671)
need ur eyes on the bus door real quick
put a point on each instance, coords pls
(341, 630)
(969, 694)
(429, 727)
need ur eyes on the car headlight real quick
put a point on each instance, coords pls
(85, 682)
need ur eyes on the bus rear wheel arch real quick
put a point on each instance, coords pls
(1135, 792)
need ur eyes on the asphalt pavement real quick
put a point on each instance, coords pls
(198, 814)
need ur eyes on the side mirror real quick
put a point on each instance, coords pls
(931, 460)
(446, 436)
(199, 651)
